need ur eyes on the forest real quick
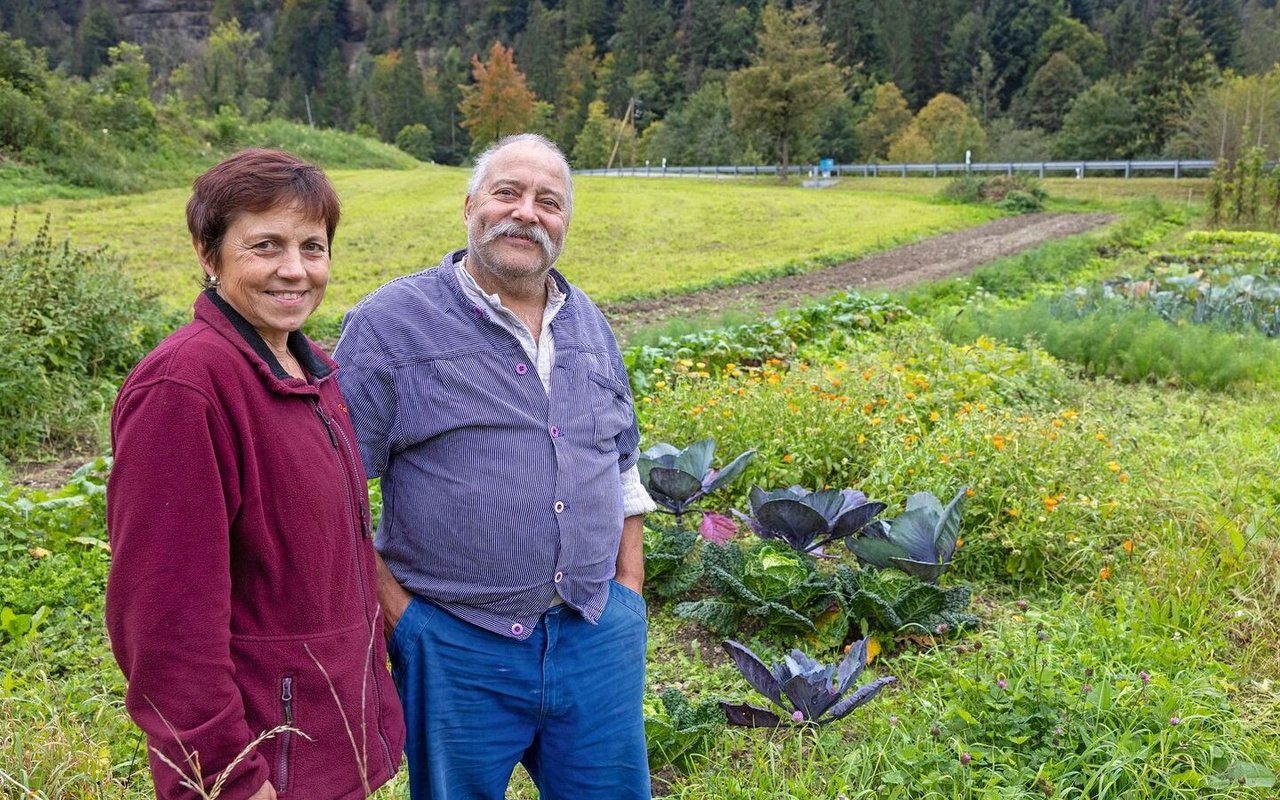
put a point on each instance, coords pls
(634, 81)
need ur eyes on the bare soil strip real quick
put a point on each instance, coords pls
(943, 256)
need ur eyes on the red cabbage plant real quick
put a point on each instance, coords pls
(676, 479)
(807, 691)
(808, 520)
(920, 542)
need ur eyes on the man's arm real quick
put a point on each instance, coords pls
(630, 569)
(394, 599)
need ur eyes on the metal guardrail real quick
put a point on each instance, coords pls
(1127, 169)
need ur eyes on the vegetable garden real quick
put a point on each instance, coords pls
(1009, 536)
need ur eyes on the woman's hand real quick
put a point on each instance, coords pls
(391, 596)
(267, 792)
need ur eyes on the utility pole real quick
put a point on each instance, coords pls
(628, 119)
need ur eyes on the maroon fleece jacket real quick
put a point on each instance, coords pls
(242, 565)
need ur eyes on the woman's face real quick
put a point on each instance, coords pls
(273, 268)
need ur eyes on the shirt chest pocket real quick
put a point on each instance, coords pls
(610, 408)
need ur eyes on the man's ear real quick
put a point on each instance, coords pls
(466, 209)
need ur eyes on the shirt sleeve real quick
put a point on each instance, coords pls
(635, 499)
(171, 494)
(367, 380)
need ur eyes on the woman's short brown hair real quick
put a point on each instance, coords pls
(253, 181)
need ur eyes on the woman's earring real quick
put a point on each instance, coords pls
(210, 281)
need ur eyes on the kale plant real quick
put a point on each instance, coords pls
(676, 479)
(808, 520)
(892, 602)
(770, 587)
(920, 542)
(678, 733)
(803, 688)
(670, 567)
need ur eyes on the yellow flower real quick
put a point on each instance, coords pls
(788, 458)
(910, 395)
(1050, 503)
(934, 416)
(969, 492)
(1123, 477)
(1013, 512)
(1128, 546)
(866, 374)
(1114, 466)
(1057, 423)
(959, 543)
(862, 438)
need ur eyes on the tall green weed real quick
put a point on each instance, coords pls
(71, 326)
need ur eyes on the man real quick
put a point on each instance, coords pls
(490, 397)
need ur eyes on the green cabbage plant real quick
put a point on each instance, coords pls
(806, 690)
(676, 479)
(768, 587)
(920, 542)
(891, 602)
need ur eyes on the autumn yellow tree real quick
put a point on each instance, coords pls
(498, 103)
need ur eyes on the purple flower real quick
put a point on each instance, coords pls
(965, 758)
(797, 716)
(1059, 730)
(1145, 677)
(1175, 720)
(1002, 684)
(1023, 605)
(1086, 688)
(941, 628)
(1042, 636)
(893, 721)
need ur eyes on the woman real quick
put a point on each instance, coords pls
(241, 596)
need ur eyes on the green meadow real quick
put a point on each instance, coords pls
(629, 238)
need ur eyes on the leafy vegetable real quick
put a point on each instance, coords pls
(892, 602)
(920, 542)
(676, 479)
(805, 689)
(678, 733)
(808, 520)
(770, 587)
(670, 567)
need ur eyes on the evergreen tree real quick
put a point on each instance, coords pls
(498, 103)
(96, 34)
(854, 30)
(577, 92)
(1015, 29)
(306, 32)
(1260, 39)
(984, 88)
(790, 85)
(1124, 36)
(1051, 91)
(1075, 40)
(334, 104)
(1175, 63)
(962, 56)
(713, 35)
(1220, 23)
(395, 97)
(540, 50)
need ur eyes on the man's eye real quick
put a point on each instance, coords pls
(551, 203)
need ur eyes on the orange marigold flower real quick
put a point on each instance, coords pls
(969, 492)
(1013, 512)
(788, 458)
(1104, 573)
(1050, 503)
(1128, 546)
(1123, 477)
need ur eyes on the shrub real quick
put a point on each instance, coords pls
(416, 140)
(71, 325)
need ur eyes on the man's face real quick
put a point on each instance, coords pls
(517, 219)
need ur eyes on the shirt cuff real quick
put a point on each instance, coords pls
(635, 499)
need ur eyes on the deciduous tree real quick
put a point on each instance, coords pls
(498, 103)
(791, 83)
(889, 117)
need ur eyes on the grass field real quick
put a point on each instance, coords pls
(629, 237)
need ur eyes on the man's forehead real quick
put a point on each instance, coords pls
(525, 163)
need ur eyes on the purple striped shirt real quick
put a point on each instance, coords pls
(497, 495)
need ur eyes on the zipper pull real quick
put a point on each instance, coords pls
(328, 426)
(365, 522)
(286, 696)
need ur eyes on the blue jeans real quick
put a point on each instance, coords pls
(566, 703)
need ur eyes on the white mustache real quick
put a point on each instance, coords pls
(534, 232)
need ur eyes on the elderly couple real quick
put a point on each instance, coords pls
(247, 605)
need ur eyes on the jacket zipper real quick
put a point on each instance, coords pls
(286, 737)
(346, 455)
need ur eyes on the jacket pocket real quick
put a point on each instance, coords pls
(611, 404)
(284, 754)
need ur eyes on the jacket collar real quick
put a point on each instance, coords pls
(219, 315)
(448, 274)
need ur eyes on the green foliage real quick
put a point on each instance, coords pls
(894, 602)
(771, 588)
(416, 140)
(71, 324)
(679, 733)
(671, 566)
(1017, 194)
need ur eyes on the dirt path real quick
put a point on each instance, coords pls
(938, 257)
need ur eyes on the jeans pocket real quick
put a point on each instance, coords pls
(629, 598)
(409, 627)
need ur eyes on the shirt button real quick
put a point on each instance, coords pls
(522, 368)
(477, 312)
(555, 432)
(559, 506)
(559, 577)
(517, 629)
